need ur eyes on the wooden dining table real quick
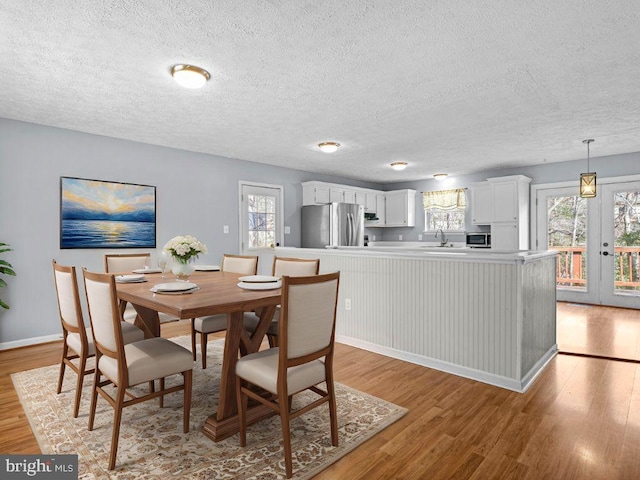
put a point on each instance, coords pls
(218, 293)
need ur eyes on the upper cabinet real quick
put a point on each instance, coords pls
(400, 208)
(481, 203)
(503, 203)
(392, 209)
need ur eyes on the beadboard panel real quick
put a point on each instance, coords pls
(489, 320)
(539, 311)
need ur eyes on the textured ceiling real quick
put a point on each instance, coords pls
(453, 86)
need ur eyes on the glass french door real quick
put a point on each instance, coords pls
(598, 242)
(620, 244)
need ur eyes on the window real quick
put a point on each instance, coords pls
(444, 209)
(260, 217)
(262, 226)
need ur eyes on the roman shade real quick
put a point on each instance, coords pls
(444, 199)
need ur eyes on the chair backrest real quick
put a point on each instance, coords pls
(295, 267)
(308, 315)
(104, 314)
(69, 307)
(246, 265)
(125, 262)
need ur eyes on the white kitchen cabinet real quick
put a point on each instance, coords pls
(481, 204)
(315, 193)
(371, 205)
(504, 236)
(400, 208)
(349, 196)
(381, 206)
(510, 223)
(336, 194)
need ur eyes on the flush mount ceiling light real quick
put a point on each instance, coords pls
(399, 165)
(190, 76)
(588, 180)
(440, 176)
(328, 147)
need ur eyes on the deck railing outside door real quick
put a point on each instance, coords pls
(572, 267)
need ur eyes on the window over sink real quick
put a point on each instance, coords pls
(444, 209)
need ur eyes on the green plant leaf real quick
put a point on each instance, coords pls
(7, 271)
(2, 283)
(4, 305)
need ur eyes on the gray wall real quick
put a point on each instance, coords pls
(197, 194)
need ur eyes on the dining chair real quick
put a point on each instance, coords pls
(293, 267)
(302, 360)
(126, 365)
(77, 340)
(126, 263)
(243, 264)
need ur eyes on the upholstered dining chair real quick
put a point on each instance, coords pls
(302, 360)
(126, 263)
(243, 264)
(293, 267)
(77, 341)
(126, 365)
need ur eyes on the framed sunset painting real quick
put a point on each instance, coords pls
(103, 214)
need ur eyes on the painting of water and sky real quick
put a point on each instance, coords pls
(103, 214)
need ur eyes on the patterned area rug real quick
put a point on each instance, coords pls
(152, 444)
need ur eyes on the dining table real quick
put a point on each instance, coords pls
(217, 293)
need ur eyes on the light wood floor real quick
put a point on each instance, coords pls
(599, 331)
(580, 420)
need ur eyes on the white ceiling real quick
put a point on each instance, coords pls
(447, 86)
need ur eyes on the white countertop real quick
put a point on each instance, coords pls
(432, 253)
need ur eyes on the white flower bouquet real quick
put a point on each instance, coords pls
(184, 247)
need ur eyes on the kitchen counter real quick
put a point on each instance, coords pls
(481, 314)
(449, 253)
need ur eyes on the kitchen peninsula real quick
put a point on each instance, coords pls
(480, 314)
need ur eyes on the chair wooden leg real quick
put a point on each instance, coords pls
(203, 349)
(62, 367)
(286, 440)
(333, 413)
(82, 365)
(242, 400)
(161, 397)
(273, 340)
(188, 383)
(94, 397)
(193, 338)
(117, 418)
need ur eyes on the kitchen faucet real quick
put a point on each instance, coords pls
(443, 241)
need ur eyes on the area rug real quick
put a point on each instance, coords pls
(152, 444)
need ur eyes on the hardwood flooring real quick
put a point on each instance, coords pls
(599, 331)
(580, 419)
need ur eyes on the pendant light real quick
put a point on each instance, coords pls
(588, 180)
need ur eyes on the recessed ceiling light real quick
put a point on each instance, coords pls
(328, 147)
(190, 76)
(440, 176)
(399, 165)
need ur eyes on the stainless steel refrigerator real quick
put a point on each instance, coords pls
(332, 225)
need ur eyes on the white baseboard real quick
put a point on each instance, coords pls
(30, 341)
(512, 384)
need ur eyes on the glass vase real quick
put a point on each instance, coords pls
(182, 268)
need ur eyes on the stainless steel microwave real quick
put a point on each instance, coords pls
(478, 240)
